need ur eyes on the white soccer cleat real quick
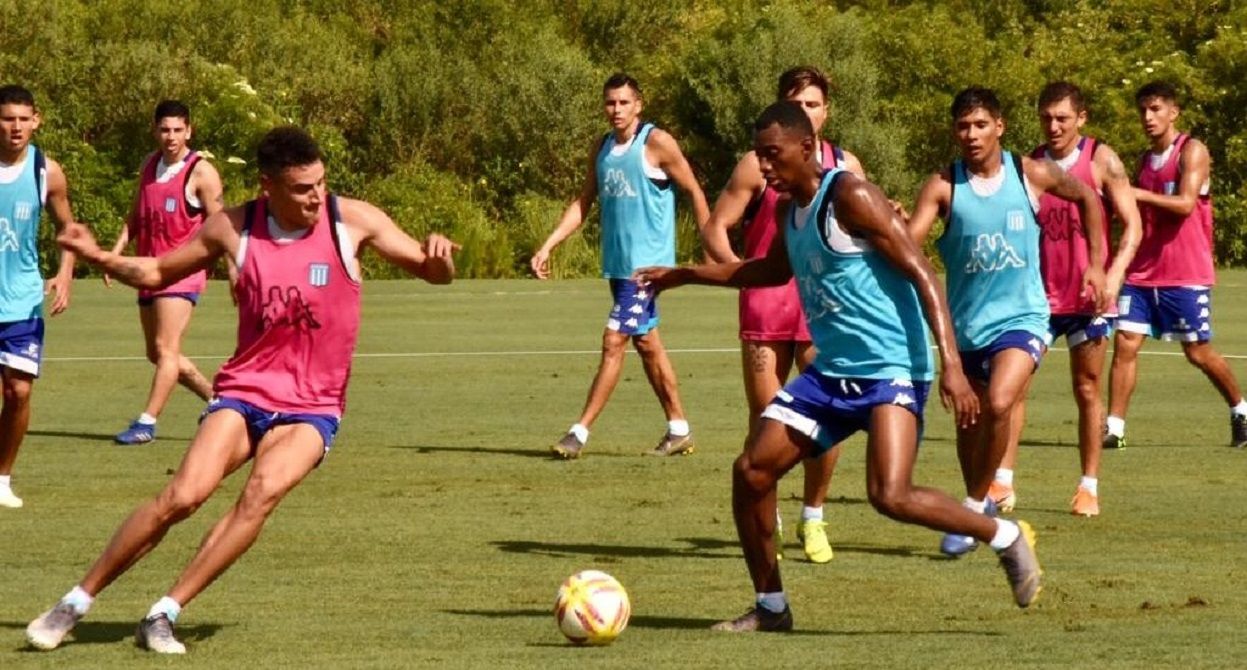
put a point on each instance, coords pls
(49, 630)
(155, 633)
(7, 499)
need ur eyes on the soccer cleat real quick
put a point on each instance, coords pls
(568, 448)
(955, 546)
(7, 499)
(1085, 503)
(1238, 431)
(1112, 441)
(813, 536)
(137, 433)
(1003, 495)
(759, 619)
(49, 630)
(1022, 566)
(673, 445)
(155, 633)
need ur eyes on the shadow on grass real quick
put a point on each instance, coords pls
(699, 548)
(536, 452)
(696, 623)
(97, 437)
(110, 632)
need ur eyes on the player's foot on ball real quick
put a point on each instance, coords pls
(1022, 566)
(1084, 503)
(759, 619)
(155, 633)
(49, 630)
(1003, 495)
(568, 448)
(673, 445)
(1238, 431)
(1112, 441)
(137, 433)
(9, 499)
(813, 536)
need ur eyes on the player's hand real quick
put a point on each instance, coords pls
(1093, 288)
(657, 278)
(80, 241)
(440, 246)
(899, 208)
(1112, 288)
(60, 287)
(541, 263)
(957, 395)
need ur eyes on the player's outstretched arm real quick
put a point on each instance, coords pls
(670, 158)
(1194, 166)
(1048, 177)
(572, 217)
(123, 237)
(60, 284)
(745, 184)
(1116, 183)
(772, 269)
(431, 260)
(218, 235)
(863, 209)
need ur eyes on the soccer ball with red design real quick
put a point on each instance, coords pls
(592, 608)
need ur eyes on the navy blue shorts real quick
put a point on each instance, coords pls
(1079, 328)
(149, 300)
(21, 345)
(830, 409)
(1182, 313)
(977, 364)
(635, 311)
(260, 421)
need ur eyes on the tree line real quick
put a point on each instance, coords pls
(473, 118)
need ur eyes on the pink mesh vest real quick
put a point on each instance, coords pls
(1176, 250)
(1063, 251)
(164, 222)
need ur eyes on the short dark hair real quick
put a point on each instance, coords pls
(620, 80)
(1061, 90)
(286, 147)
(787, 115)
(974, 98)
(171, 109)
(12, 94)
(1156, 89)
(796, 79)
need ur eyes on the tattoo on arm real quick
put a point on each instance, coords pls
(129, 271)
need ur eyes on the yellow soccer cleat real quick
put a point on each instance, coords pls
(1003, 495)
(813, 536)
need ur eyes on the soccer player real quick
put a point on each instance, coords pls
(1168, 291)
(1064, 258)
(990, 249)
(29, 182)
(177, 189)
(278, 401)
(631, 172)
(857, 271)
(773, 334)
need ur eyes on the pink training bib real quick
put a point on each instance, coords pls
(164, 221)
(1063, 251)
(1176, 250)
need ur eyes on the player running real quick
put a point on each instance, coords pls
(773, 334)
(278, 401)
(990, 249)
(631, 173)
(29, 182)
(178, 188)
(857, 271)
(1168, 291)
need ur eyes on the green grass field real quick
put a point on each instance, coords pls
(436, 533)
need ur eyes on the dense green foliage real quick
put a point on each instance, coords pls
(475, 118)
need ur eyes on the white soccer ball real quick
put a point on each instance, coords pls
(592, 608)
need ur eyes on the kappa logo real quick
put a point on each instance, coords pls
(615, 185)
(32, 350)
(318, 274)
(992, 253)
(287, 309)
(632, 323)
(8, 236)
(636, 309)
(903, 399)
(23, 210)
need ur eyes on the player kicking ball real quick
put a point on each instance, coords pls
(865, 287)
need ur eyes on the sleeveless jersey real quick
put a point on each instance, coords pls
(21, 204)
(990, 249)
(298, 317)
(638, 212)
(1063, 251)
(1175, 250)
(863, 313)
(773, 313)
(164, 222)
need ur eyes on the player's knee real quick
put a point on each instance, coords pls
(1087, 386)
(260, 495)
(1199, 354)
(646, 345)
(179, 501)
(751, 477)
(999, 405)
(16, 391)
(891, 499)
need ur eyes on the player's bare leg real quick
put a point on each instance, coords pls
(14, 422)
(610, 367)
(1001, 489)
(1121, 383)
(1214, 367)
(164, 324)
(661, 375)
